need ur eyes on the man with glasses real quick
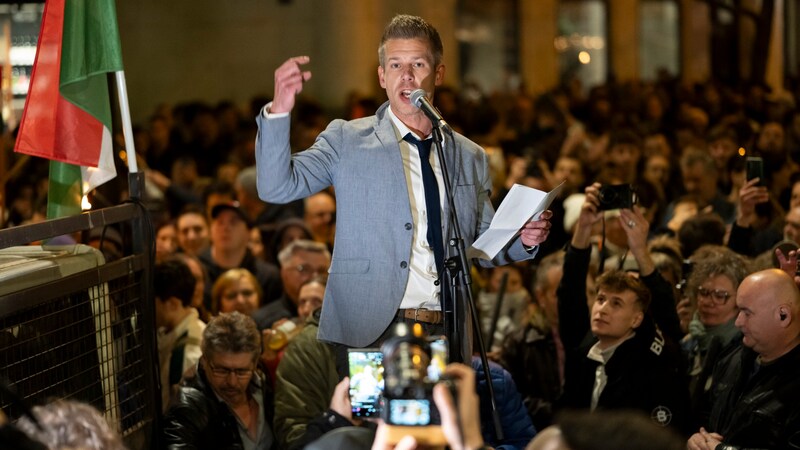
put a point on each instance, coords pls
(226, 404)
(300, 261)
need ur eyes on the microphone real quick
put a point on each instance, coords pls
(419, 100)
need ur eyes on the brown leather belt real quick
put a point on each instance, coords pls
(421, 315)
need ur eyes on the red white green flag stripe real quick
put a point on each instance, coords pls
(67, 116)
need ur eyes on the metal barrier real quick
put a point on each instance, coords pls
(87, 335)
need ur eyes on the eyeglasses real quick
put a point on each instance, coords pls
(306, 269)
(224, 372)
(719, 296)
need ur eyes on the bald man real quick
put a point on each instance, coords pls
(756, 385)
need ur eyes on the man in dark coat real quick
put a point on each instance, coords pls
(756, 384)
(618, 357)
(227, 404)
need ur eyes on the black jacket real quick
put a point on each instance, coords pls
(267, 274)
(531, 357)
(199, 420)
(757, 408)
(646, 371)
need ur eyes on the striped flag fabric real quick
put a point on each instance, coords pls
(67, 115)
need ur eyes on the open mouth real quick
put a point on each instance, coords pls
(406, 93)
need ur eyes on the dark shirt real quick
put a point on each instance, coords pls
(274, 213)
(531, 357)
(267, 274)
(282, 308)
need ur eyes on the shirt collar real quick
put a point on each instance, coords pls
(603, 355)
(401, 128)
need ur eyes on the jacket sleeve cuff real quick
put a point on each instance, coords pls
(268, 115)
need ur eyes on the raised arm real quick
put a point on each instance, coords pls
(662, 308)
(282, 176)
(750, 194)
(573, 310)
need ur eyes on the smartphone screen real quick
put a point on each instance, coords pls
(439, 358)
(755, 169)
(366, 381)
(409, 412)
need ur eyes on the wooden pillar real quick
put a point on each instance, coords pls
(695, 41)
(775, 63)
(623, 34)
(442, 15)
(347, 35)
(538, 56)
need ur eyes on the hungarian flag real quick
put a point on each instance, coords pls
(67, 116)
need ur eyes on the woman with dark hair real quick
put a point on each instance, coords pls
(284, 233)
(166, 240)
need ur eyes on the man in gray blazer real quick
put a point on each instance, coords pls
(383, 268)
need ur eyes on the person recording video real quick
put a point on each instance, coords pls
(460, 419)
(392, 214)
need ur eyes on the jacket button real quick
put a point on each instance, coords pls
(403, 265)
(408, 226)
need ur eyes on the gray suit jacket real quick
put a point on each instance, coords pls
(361, 159)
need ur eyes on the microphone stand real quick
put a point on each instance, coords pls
(497, 307)
(459, 281)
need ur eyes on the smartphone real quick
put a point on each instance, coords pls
(408, 412)
(439, 358)
(366, 381)
(755, 169)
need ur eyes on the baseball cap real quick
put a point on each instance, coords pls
(230, 206)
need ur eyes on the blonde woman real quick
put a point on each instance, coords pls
(236, 290)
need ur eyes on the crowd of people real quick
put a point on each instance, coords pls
(682, 305)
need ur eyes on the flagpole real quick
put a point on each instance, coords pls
(127, 128)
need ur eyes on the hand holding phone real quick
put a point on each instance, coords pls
(755, 169)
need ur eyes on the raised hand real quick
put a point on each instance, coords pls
(637, 228)
(590, 214)
(750, 195)
(289, 79)
(788, 264)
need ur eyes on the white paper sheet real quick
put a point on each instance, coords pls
(522, 204)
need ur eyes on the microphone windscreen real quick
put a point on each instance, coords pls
(416, 96)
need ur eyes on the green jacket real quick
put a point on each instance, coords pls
(304, 384)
